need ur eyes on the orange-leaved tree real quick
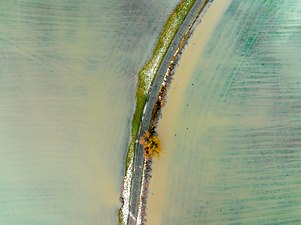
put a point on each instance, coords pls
(151, 144)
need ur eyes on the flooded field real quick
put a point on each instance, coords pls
(232, 123)
(68, 72)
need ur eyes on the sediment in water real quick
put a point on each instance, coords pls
(179, 78)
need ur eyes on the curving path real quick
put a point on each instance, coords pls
(148, 110)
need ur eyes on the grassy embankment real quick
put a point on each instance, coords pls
(149, 70)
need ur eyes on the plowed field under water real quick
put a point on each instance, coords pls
(231, 127)
(68, 73)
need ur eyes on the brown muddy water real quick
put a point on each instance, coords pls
(68, 72)
(197, 42)
(231, 127)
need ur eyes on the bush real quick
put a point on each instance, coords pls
(151, 144)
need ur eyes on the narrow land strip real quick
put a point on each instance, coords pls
(148, 110)
(145, 77)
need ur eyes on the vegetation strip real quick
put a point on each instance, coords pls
(145, 80)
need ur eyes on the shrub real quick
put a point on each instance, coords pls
(151, 144)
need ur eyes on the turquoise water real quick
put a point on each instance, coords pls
(68, 71)
(235, 152)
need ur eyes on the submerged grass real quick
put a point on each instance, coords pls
(148, 72)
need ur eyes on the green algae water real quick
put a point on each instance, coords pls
(68, 72)
(231, 141)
